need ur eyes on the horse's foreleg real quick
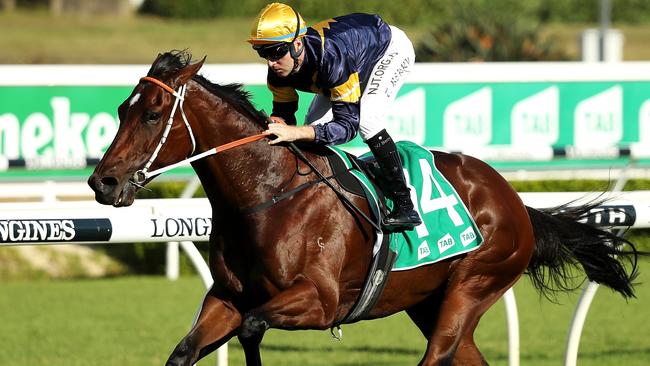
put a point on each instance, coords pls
(216, 324)
(298, 307)
(251, 347)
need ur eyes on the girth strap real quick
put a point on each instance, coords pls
(373, 286)
(277, 198)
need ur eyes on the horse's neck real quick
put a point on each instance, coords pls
(243, 175)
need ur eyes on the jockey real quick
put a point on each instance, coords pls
(355, 64)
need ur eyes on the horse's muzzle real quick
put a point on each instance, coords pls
(110, 191)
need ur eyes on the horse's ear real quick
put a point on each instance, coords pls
(189, 71)
(154, 63)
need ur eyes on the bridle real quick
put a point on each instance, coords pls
(141, 176)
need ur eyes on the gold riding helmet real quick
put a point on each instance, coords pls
(277, 23)
(274, 30)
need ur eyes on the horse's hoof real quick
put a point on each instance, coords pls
(253, 326)
(182, 355)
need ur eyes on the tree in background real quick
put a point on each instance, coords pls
(480, 30)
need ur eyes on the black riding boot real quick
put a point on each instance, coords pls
(403, 217)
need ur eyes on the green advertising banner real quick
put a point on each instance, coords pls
(53, 131)
(50, 132)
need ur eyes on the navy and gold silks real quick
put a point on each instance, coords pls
(340, 54)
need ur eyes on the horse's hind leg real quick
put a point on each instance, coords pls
(216, 324)
(477, 282)
(423, 313)
(422, 316)
(468, 353)
(451, 337)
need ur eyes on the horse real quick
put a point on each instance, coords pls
(300, 262)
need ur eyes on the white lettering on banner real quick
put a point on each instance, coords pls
(8, 136)
(68, 141)
(610, 216)
(66, 135)
(445, 243)
(36, 134)
(617, 216)
(597, 214)
(644, 123)
(468, 121)
(36, 230)
(181, 227)
(100, 134)
(599, 119)
(535, 120)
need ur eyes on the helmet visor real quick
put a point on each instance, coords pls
(272, 52)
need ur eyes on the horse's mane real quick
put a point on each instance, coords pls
(171, 62)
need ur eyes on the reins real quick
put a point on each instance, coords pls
(140, 176)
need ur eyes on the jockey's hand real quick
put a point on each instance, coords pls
(286, 133)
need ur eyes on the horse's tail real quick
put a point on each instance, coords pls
(562, 244)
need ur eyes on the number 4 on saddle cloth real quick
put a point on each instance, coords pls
(447, 228)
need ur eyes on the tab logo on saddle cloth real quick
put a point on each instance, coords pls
(446, 242)
(468, 236)
(423, 250)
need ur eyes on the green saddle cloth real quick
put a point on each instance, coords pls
(447, 229)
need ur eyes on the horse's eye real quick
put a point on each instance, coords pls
(151, 117)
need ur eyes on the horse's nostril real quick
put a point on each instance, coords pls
(109, 181)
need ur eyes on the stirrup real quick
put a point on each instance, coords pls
(404, 220)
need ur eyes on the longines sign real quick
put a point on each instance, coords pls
(55, 230)
(76, 230)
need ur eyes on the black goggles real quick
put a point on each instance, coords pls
(272, 52)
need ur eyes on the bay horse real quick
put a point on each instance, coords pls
(300, 263)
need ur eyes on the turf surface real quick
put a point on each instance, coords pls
(138, 321)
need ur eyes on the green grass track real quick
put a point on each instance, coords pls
(138, 321)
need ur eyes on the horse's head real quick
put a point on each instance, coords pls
(149, 136)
